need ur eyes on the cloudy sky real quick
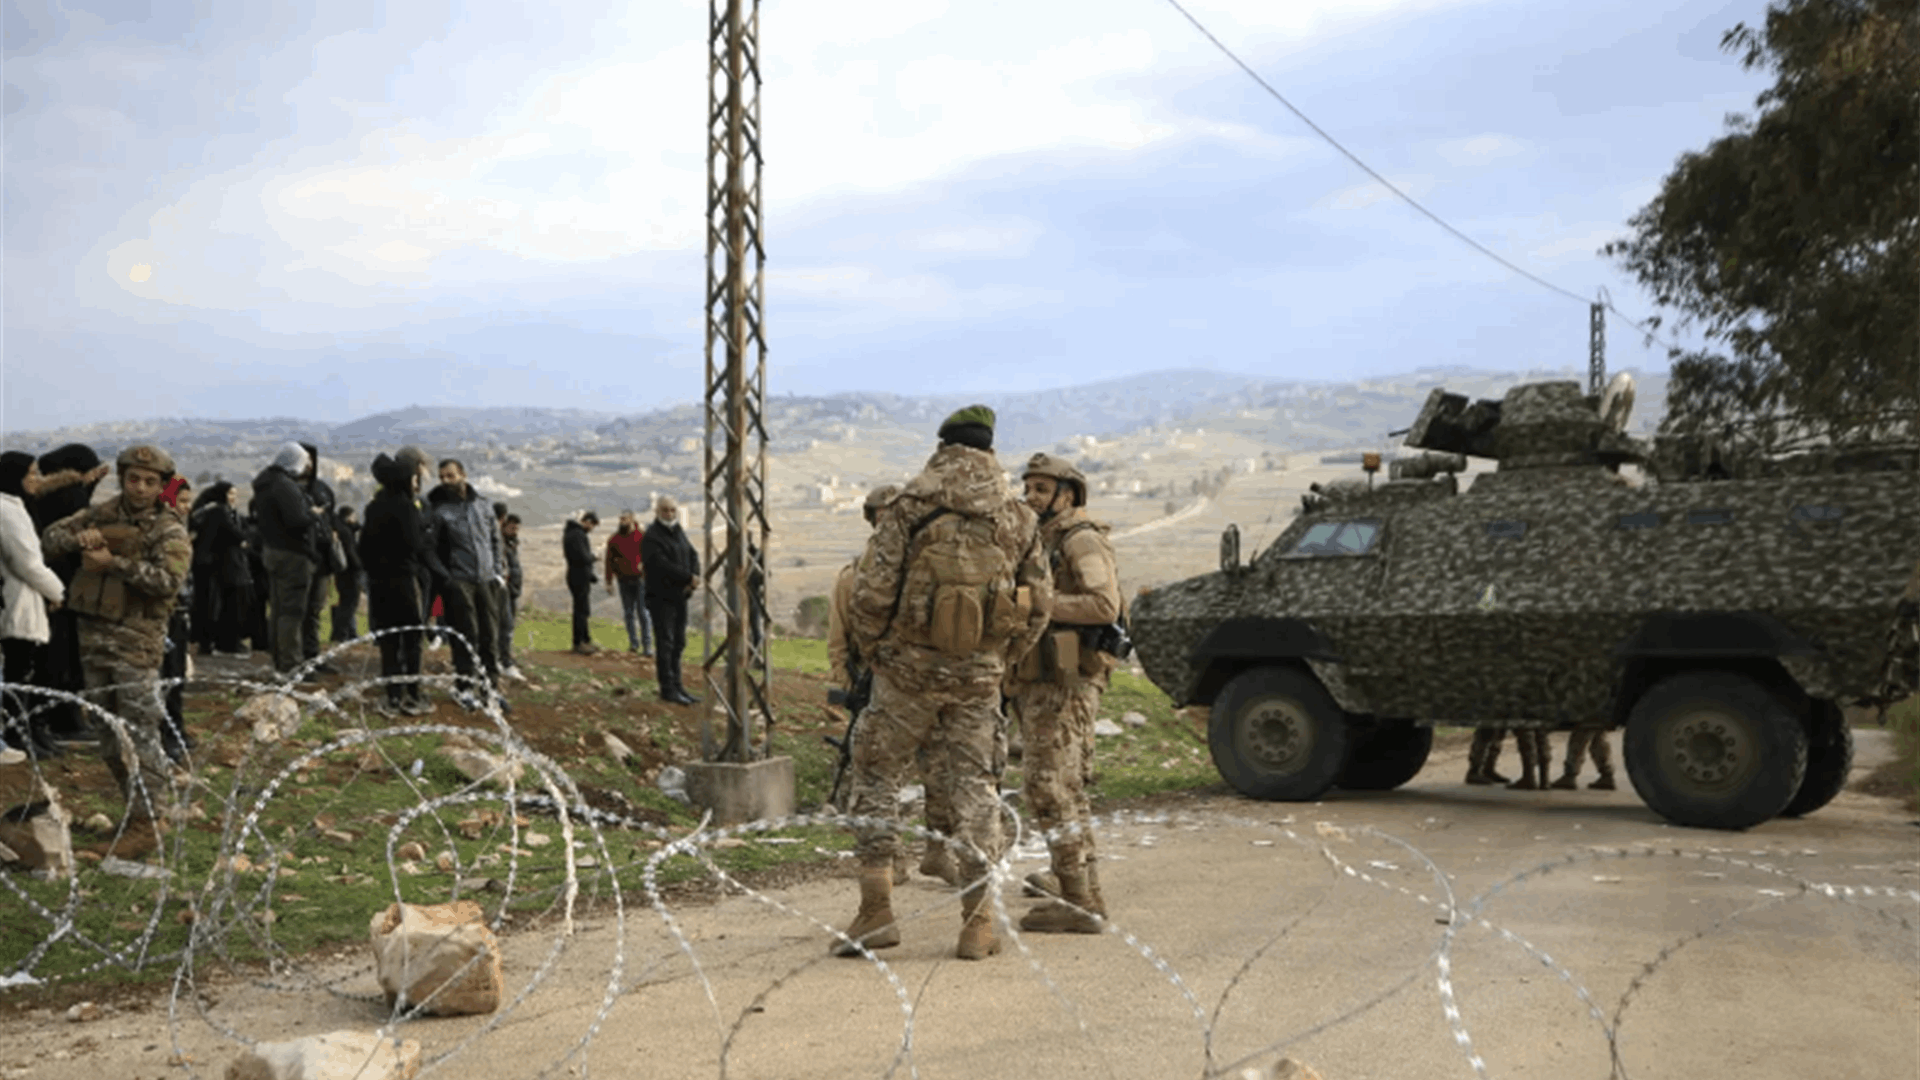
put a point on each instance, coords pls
(239, 209)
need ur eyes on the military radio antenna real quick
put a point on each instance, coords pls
(1597, 343)
(736, 664)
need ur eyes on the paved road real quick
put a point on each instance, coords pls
(1313, 928)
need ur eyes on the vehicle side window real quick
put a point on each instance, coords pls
(1824, 514)
(1337, 538)
(1709, 517)
(1645, 520)
(1506, 530)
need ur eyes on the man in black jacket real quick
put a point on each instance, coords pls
(286, 522)
(580, 565)
(672, 572)
(319, 496)
(476, 563)
(395, 552)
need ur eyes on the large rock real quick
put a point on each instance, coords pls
(274, 716)
(37, 838)
(481, 767)
(337, 1055)
(441, 952)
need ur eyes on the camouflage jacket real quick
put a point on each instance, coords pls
(842, 657)
(1086, 579)
(135, 594)
(961, 480)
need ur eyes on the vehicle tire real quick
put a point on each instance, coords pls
(1276, 734)
(1715, 750)
(1385, 754)
(1829, 758)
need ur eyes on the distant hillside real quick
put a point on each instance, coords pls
(1290, 414)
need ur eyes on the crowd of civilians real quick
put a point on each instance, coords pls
(266, 562)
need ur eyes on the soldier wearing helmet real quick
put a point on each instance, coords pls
(1055, 694)
(134, 557)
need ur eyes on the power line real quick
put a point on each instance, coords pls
(1389, 185)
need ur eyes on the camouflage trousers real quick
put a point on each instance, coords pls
(956, 722)
(131, 693)
(1057, 719)
(1589, 740)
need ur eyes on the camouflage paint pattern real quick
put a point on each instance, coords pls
(1509, 602)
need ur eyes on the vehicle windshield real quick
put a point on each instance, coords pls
(1336, 538)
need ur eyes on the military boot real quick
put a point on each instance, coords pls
(938, 863)
(1531, 772)
(1040, 883)
(1477, 758)
(1569, 780)
(978, 940)
(1099, 905)
(1072, 913)
(873, 924)
(1605, 783)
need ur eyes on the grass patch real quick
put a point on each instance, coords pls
(1899, 778)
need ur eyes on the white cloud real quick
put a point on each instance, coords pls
(1480, 149)
(605, 158)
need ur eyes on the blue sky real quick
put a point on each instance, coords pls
(241, 209)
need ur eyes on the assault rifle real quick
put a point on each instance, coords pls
(855, 700)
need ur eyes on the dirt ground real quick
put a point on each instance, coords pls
(1239, 929)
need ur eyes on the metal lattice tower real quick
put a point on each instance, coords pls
(1597, 345)
(736, 662)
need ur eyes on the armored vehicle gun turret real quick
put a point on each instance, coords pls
(1721, 609)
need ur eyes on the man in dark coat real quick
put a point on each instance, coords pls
(516, 581)
(580, 564)
(286, 522)
(476, 564)
(672, 572)
(222, 581)
(395, 551)
(320, 501)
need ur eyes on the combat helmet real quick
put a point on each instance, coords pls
(144, 456)
(1043, 464)
(877, 499)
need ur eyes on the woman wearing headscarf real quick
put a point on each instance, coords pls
(222, 580)
(68, 476)
(28, 588)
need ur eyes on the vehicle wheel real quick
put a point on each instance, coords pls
(1829, 757)
(1714, 749)
(1276, 734)
(1385, 755)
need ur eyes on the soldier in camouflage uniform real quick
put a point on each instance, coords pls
(1055, 693)
(845, 668)
(1583, 740)
(953, 587)
(1536, 759)
(134, 557)
(1483, 753)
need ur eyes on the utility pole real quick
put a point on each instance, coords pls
(736, 664)
(1597, 345)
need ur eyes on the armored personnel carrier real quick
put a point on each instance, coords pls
(1721, 609)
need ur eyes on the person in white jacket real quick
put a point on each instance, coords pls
(27, 588)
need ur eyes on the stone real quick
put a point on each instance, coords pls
(337, 1055)
(739, 792)
(1284, 1069)
(38, 837)
(615, 746)
(480, 766)
(275, 717)
(1104, 726)
(82, 1013)
(441, 957)
(411, 851)
(1133, 719)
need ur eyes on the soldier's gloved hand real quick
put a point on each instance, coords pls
(97, 558)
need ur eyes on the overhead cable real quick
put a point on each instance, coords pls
(1388, 184)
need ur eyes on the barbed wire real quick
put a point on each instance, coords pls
(232, 900)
